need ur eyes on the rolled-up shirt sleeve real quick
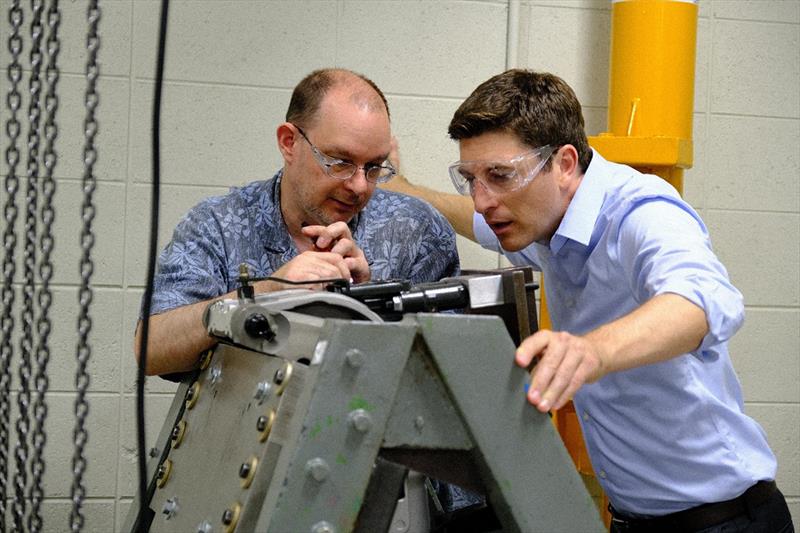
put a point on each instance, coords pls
(665, 248)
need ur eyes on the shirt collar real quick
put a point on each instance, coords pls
(584, 208)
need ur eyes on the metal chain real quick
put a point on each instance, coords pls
(47, 217)
(87, 267)
(29, 270)
(13, 101)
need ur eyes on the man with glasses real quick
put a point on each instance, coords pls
(320, 217)
(642, 310)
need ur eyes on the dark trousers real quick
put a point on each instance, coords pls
(771, 516)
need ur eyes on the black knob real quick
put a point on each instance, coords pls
(257, 326)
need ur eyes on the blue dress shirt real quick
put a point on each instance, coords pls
(667, 436)
(401, 237)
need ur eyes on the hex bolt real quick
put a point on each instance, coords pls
(170, 507)
(263, 390)
(318, 469)
(323, 527)
(354, 357)
(360, 420)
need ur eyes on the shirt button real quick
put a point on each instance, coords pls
(602, 474)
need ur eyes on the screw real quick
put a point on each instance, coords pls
(360, 420)
(354, 357)
(280, 375)
(318, 469)
(261, 423)
(419, 422)
(244, 470)
(227, 517)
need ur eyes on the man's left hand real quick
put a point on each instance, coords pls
(564, 362)
(337, 238)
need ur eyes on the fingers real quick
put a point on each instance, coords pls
(325, 237)
(565, 363)
(312, 266)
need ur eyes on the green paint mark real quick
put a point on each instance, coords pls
(340, 459)
(315, 430)
(359, 403)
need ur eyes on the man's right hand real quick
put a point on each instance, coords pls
(309, 266)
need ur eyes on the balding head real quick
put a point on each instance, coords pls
(309, 93)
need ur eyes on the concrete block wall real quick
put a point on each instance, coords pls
(230, 68)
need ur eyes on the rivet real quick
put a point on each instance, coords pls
(177, 433)
(318, 469)
(281, 378)
(360, 420)
(354, 357)
(247, 472)
(264, 425)
(192, 395)
(231, 516)
(323, 527)
(164, 470)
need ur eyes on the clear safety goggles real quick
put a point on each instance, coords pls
(500, 177)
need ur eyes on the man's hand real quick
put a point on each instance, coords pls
(563, 363)
(337, 239)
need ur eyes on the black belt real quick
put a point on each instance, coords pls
(700, 517)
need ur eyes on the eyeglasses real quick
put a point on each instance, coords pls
(500, 177)
(344, 170)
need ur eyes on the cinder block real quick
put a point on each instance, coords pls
(98, 516)
(695, 178)
(786, 11)
(755, 68)
(428, 48)
(702, 64)
(760, 251)
(737, 180)
(262, 43)
(548, 49)
(100, 452)
(211, 135)
(764, 353)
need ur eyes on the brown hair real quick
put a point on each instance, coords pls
(539, 108)
(308, 94)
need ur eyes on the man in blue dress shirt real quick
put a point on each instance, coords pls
(642, 310)
(319, 217)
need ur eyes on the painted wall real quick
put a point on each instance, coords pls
(230, 69)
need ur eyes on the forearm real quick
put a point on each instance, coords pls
(457, 209)
(666, 326)
(175, 339)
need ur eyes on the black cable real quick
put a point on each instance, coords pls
(148, 293)
(304, 282)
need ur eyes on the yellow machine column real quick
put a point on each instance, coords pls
(650, 106)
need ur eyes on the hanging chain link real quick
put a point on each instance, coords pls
(87, 267)
(13, 101)
(29, 270)
(46, 243)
